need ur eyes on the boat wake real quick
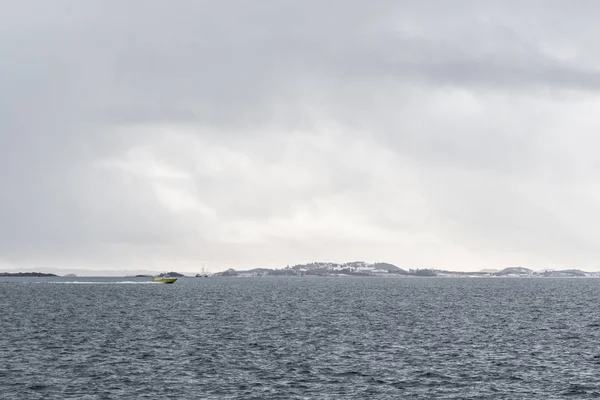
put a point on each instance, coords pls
(99, 283)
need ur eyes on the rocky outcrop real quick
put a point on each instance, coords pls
(229, 272)
(26, 274)
(174, 274)
(514, 271)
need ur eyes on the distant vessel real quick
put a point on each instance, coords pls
(204, 274)
(164, 279)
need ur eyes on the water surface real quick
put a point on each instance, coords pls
(299, 338)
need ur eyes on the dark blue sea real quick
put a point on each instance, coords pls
(300, 338)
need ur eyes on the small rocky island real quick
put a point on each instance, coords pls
(26, 274)
(171, 274)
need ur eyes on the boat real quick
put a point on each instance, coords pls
(204, 273)
(163, 279)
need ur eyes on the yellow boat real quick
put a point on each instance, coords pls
(163, 279)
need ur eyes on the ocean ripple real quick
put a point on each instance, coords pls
(299, 338)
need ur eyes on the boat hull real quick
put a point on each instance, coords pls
(164, 280)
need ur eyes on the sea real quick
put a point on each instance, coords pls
(300, 338)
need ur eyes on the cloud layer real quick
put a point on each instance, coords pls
(149, 134)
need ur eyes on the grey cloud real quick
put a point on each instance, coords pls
(342, 129)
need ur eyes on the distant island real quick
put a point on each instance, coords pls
(26, 274)
(360, 268)
(173, 274)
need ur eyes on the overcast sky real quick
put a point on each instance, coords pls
(174, 134)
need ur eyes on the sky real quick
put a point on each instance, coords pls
(171, 135)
